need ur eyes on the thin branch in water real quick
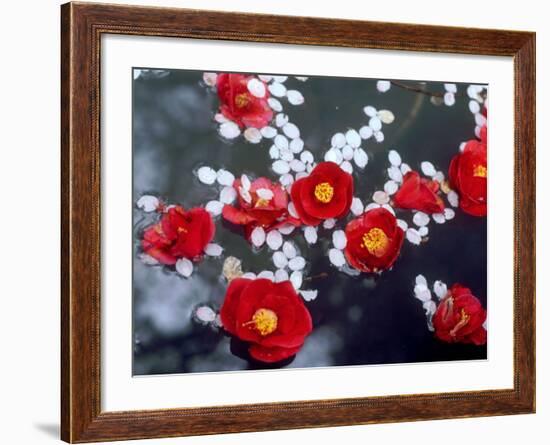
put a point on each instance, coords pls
(416, 89)
(318, 276)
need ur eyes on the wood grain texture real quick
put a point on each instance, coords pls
(81, 28)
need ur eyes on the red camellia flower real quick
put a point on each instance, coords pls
(270, 316)
(179, 234)
(374, 240)
(326, 193)
(239, 105)
(468, 175)
(419, 194)
(263, 203)
(459, 317)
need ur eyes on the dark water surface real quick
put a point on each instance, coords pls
(357, 320)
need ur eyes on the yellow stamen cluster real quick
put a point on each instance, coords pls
(464, 319)
(241, 100)
(480, 171)
(375, 241)
(324, 192)
(264, 321)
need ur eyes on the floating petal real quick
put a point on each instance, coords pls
(339, 239)
(274, 239)
(207, 175)
(148, 203)
(184, 267)
(257, 236)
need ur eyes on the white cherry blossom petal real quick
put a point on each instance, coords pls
(356, 206)
(395, 174)
(266, 194)
(296, 145)
(360, 158)
(390, 187)
(336, 257)
(229, 130)
(422, 293)
(289, 250)
(281, 275)
(334, 155)
(347, 167)
(389, 208)
(405, 168)
(380, 197)
(439, 177)
(274, 152)
(347, 152)
(286, 229)
(413, 236)
(428, 168)
(281, 119)
(439, 218)
(257, 236)
(148, 203)
(274, 239)
(214, 207)
(366, 132)
(370, 111)
(295, 97)
(309, 295)
(394, 158)
(339, 239)
(268, 132)
(379, 136)
(423, 231)
(338, 140)
(220, 118)
(307, 157)
(210, 79)
(265, 78)
(297, 263)
(297, 165)
(353, 138)
(228, 195)
(225, 177)
(329, 223)
(440, 289)
(310, 234)
(286, 179)
(280, 167)
(267, 274)
(277, 89)
(448, 214)
(148, 260)
(245, 182)
(450, 87)
(383, 85)
(205, 314)
(286, 154)
(452, 197)
(213, 249)
(449, 99)
(256, 87)
(474, 106)
(280, 79)
(281, 142)
(291, 130)
(421, 279)
(292, 210)
(296, 278)
(184, 267)
(421, 219)
(280, 260)
(249, 275)
(372, 206)
(207, 175)
(375, 123)
(402, 224)
(275, 104)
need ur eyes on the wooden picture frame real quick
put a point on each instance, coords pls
(82, 26)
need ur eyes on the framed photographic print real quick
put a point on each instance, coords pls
(285, 222)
